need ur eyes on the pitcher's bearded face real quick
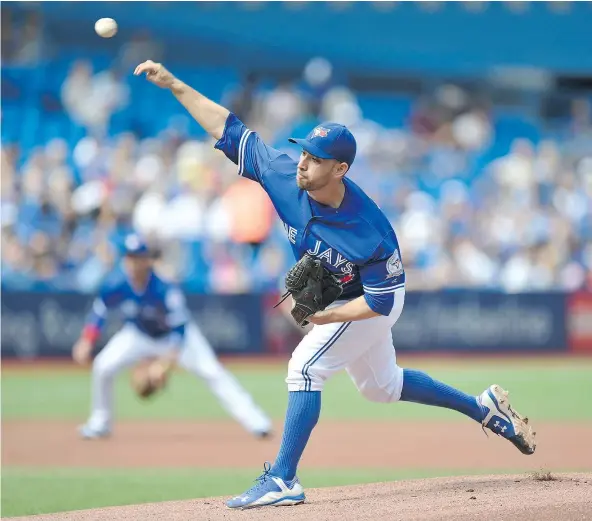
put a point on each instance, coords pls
(314, 173)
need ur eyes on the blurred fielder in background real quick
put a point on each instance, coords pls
(158, 333)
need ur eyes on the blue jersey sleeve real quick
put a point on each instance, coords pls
(382, 276)
(247, 150)
(107, 298)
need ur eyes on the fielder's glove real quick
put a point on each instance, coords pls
(312, 286)
(141, 381)
(146, 389)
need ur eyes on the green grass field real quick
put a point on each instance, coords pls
(549, 390)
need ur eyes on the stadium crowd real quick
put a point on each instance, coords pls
(466, 215)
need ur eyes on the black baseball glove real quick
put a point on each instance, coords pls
(312, 286)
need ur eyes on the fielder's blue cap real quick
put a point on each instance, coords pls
(330, 141)
(135, 246)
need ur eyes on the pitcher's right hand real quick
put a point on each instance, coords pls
(156, 73)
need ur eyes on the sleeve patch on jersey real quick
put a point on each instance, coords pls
(394, 266)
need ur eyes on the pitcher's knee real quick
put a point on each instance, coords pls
(378, 394)
(304, 378)
(383, 393)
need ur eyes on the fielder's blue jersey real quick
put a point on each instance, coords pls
(157, 311)
(355, 240)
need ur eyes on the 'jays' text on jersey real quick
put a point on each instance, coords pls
(157, 311)
(355, 241)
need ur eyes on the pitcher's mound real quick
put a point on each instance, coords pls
(545, 497)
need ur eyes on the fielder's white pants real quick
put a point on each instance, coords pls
(363, 348)
(130, 345)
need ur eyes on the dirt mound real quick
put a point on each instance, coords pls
(541, 498)
(334, 444)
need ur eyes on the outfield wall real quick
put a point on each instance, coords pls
(47, 324)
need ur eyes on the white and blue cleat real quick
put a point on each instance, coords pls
(269, 490)
(90, 433)
(500, 418)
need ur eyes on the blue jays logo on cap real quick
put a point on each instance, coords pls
(330, 141)
(320, 131)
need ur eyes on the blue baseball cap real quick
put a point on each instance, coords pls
(135, 246)
(330, 141)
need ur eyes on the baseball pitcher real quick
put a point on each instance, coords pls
(349, 282)
(157, 334)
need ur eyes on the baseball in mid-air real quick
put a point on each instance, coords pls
(106, 27)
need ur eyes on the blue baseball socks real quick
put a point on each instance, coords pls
(418, 387)
(304, 409)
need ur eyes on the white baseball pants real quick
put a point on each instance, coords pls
(363, 348)
(130, 345)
